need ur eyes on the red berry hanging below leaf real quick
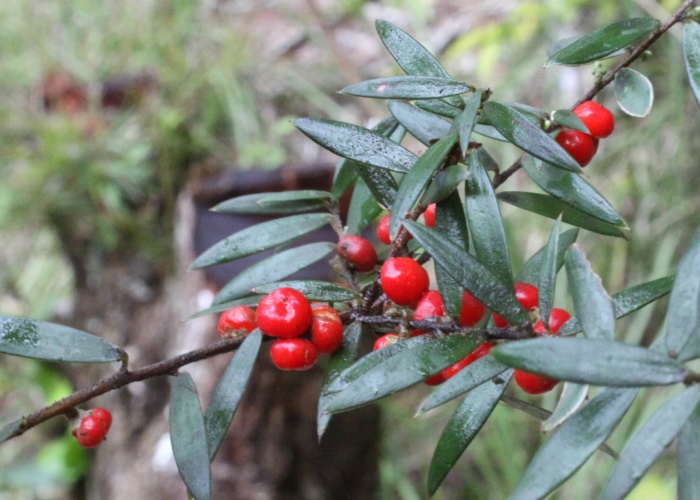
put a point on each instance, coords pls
(326, 329)
(92, 427)
(385, 340)
(578, 144)
(430, 305)
(472, 310)
(284, 313)
(449, 372)
(237, 321)
(293, 354)
(429, 215)
(598, 119)
(383, 229)
(404, 280)
(557, 318)
(527, 295)
(357, 251)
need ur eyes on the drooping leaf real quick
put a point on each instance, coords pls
(286, 202)
(573, 190)
(339, 361)
(407, 87)
(467, 119)
(357, 143)
(591, 361)
(683, 316)
(188, 437)
(229, 391)
(573, 442)
(462, 428)
(593, 305)
(444, 183)
(485, 223)
(689, 458)
(423, 125)
(530, 272)
(604, 41)
(473, 275)
(321, 291)
(474, 375)
(548, 274)
(691, 52)
(516, 127)
(649, 442)
(363, 208)
(224, 306)
(403, 370)
(274, 268)
(417, 179)
(634, 92)
(568, 118)
(572, 398)
(52, 342)
(548, 206)
(344, 177)
(261, 237)
(10, 429)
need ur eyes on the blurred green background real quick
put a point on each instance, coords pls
(213, 84)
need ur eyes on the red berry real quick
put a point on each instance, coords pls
(404, 280)
(434, 380)
(293, 354)
(557, 318)
(429, 215)
(430, 305)
(472, 310)
(534, 384)
(578, 144)
(284, 313)
(237, 321)
(527, 295)
(357, 251)
(326, 329)
(449, 372)
(383, 229)
(385, 340)
(599, 120)
(93, 427)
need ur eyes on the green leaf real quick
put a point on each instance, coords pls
(357, 143)
(572, 398)
(314, 290)
(381, 182)
(490, 132)
(485, 223)
(188, 438)
(573, 442)
(423, 125)
(551, 207)
(474, 375)
(530, 272)
(462, 428)
(345, 176)
(444, 183)
(591, 361)
(261, 237)
(634, 92)
(287, 202)
(439, 107)
(531, 113)
(470, 273)
(649, 442)
(548, 274)
(691, 52)
(449, 220)
(568, 118)
(593, 305)
(689, 458)
(224, 306)
(407, 87)
(417, 179)
(683, 316)
(604, 41)
(273, 268)
(52, 342)
(573, 190)
(515, 126)
(338, 362)
(565, 42)
(10, 429)
(363, 208)
(229, 391)
(403, 370)
(467, 119)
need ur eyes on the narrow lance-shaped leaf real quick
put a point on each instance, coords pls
(572, 398)
(548, 274)
(357, 143)
(530, 272)
(465, 122)
(634, 92)
(10, 429)
(363, 208)
(593, 306)
(569, 119)
(229, 391)
(287, 202)
(445, 183)
(320, 291)
(423, 125)
(604, 41)
(515, 126)
(573, 442)
(261, 237)
(52, 342)
(407, 87)
(415, 181)
(462, 428)
(683, 316)
(691, 52)
(649, 442)
(273, 268)
(188, 437)
(345, 176)
(689, 458)
(440, 107)
(591, 361)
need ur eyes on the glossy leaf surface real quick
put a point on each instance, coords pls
(287, 202)
(321, 291)
(407, 87)
(467, 119)
(363, 208)
(548, 274)
(572, 398)
(683, 317)
(421, 124)
(530, 272)
(444, 183)
(634, 93)
(568, 118)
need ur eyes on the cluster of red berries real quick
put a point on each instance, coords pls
(287, 314)
(90, 427)
(581, 146)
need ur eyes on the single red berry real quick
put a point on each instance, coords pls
(599, 120)
(326, 329)
(449, 372)
(472, 310)
(383, 229)
(293, 354)
(578, 144)
(93, 427)
(557, 318)
(429, 215)
(284, 313)
(357, 251)
(385, 340)
(430, 305)
(434, 380)
(404, 280)
(534, 384)
(527, 295)
(237, 321)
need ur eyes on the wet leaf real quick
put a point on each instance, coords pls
(363, 208)
(423, 125)
(467, 119)
(287, 202)
(530, 273)
(572, 398)
(407, 87)
(691, 52)
(689, 458)
(444, 183)
(683, 316)
(548, 274)
(634, 92)
(321, 291)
